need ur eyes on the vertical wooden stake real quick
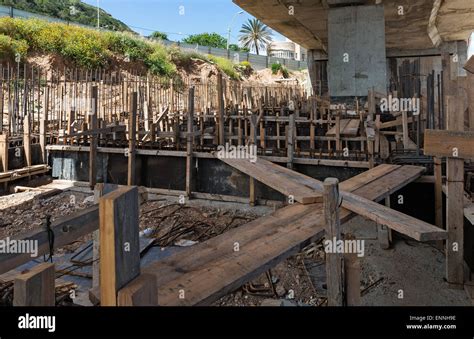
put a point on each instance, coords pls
(290, 141)
(352, 276)
(93, 139)
(27, 140)
(189, 145)
(221, 108)
(455, 200)
(438, 192)
(4, 143)
(334, 260)
(132, 132)
(383, 232)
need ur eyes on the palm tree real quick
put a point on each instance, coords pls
(255, 35)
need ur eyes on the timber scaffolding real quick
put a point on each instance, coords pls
(139, 115)
(72, 109)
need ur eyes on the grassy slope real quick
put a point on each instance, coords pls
(90, 48)
(84, 14)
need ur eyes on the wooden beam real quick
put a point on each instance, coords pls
(453, 144)
(35, 287)
(119, 244)
(141, 291)
(334, 259)
(455, 200)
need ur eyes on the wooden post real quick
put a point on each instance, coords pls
(438, 192)
(455, 202)
(338, 131)
(383, 232)
(334, 260)
(405, 130)
(352, 277)
(27, 140)
(93, 139)
(42, 140)
(132, 132)
(253, 143)
(119, 243)
(220, 111)
(4, 143)
(141, 291)
(35, 287)
(189, 145)
(290, 141)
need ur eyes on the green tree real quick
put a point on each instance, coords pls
(236, 48)
(159, 35)
(207, 39)
(255, 35)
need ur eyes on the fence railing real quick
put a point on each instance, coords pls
(258, 61)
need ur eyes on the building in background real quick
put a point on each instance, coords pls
(288, 50)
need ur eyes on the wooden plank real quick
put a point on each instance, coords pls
(35, 287)
(271, 176)
(352, 128)
(334, 259)
(283, 179)
(444, 143)
(119, 243)
(366, 177)
(209, 270)
(66, 230)
(141, 291)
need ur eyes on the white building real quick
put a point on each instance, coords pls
(287, 50)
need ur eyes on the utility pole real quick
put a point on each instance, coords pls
(228, 30)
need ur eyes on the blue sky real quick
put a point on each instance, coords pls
(195, 16)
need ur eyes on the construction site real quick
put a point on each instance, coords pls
(121, 188)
